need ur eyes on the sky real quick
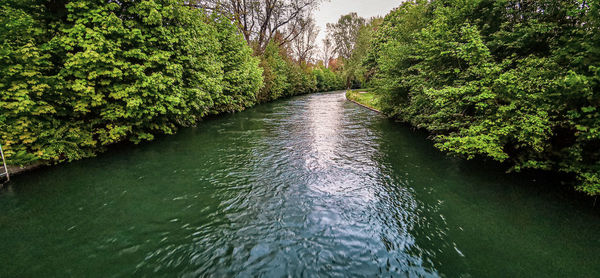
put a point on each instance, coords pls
(330, 11)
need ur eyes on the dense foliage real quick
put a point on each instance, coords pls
(80, 75)
(356, 72)
(285, 77)
(514, 81)
(350, 38)
(327, 80)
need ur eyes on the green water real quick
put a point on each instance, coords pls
(313, 186)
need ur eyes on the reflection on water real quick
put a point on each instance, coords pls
(325, 120)
(313, 186)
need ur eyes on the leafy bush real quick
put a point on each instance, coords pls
(275, 75)
(301, 79)
(285, 77)
(77, 76)
(327, 80)
(242, 77)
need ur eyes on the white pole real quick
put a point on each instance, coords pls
(4, 162)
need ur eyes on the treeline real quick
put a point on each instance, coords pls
(350, 40)
(285, 77)
(513, 81)
(76, 76)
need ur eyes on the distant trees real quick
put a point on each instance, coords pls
(349, 38)
(344, 34)
(327, 51)
(283, 76)
(304, 45)
(356, 73)
(327, 80)
(282, 34)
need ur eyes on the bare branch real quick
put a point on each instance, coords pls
(260, 20)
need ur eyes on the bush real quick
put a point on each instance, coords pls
(113, 72)
(275, 75)
(242, 77)
(327, 80)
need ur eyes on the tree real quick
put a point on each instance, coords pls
(344, 33)
(304, 46)
(355, 70)
(327, 51)
(260, 20)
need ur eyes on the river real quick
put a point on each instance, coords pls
(312, 186)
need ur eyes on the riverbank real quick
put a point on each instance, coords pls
(370, 100)
(15, 170)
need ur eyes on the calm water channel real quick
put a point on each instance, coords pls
(313, 186)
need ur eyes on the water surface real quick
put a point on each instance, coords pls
(312, 186)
